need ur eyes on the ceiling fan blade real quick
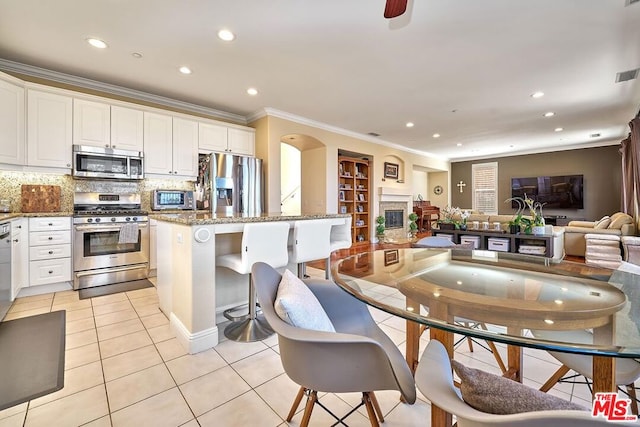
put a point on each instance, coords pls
(395, 8)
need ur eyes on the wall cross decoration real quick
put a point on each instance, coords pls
(460, 185)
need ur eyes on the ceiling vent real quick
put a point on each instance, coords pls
(630, 2)
(377, 134)
(624, 76)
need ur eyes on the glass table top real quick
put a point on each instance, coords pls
(522, 299)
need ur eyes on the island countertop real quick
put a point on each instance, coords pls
(201, 218)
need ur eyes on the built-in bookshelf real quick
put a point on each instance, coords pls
(354, 196)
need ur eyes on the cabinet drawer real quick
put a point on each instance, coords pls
(49, 223)
(49, 271)
(49, 238)
(49, 252)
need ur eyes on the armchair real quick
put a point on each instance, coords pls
(358, 357)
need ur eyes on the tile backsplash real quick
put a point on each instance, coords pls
(11, 183)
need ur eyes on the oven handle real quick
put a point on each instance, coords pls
(111, 270)
(106, 227)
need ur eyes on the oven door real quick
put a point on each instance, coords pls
(96, 246)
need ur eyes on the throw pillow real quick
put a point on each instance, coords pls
(498, 395)
(298, 306)
(620, 220)
(603, 222)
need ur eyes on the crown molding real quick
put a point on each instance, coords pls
(268, 111)
(81, 82)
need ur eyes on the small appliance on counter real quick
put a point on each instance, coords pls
(172, 199)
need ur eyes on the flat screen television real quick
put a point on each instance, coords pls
(556, 192)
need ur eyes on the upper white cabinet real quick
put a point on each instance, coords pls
(185, 147)
(49, 129)
(127, 128)
(242, 141)
(158, 144)
(12, 148)
(226, 139)
(103, 125)
(91, 123)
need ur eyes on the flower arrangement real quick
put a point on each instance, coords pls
(535, 219)
(455, 216)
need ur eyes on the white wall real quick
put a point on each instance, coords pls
(420, 184)
(290, 181)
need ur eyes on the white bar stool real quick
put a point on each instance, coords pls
(265, 242)
(310, 242)
(340, 239)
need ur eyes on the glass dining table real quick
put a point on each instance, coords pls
(512, 294)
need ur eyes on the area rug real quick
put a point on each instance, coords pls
(31, 357)
(99, 291)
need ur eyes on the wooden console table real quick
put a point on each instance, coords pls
(515, 240)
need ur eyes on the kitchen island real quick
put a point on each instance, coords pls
(192, 292)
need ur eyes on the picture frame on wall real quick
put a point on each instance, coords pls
(391, 170)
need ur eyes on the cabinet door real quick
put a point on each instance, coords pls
(127, 128)
(19, 259)
(241, 141)
(153, 244)
(158, 150)
(49, 124)
(91, 123)
(185, 147)
(212, 137)
(12, 146)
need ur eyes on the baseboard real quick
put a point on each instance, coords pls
(44, 289)
(193, 343)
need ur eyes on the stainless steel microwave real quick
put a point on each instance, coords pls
(99, 162)
(172, 199)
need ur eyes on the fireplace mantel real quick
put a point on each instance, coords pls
(390, 194)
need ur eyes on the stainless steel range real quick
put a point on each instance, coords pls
(111, 239)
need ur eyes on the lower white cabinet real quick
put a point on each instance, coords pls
(153, 251)
(49, 250)
(19, 255)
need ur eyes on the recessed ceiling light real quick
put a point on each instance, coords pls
(549, 114)
(436, 135)
(226, 35)
(185, 70)
(595, 135)
(252, 91)
(459, 144)
(558, 129)
(97, 43)
(537, 94)
(136, 55)
(409, 124)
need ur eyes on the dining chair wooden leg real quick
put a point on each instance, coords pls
(376, 406)
(470, 344)
(631, 391)
(296, 403)
(494, 350)
(311, 401)
(561, 372)
(366, 398)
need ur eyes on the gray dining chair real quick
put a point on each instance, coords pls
(434, 379)
(358, 357)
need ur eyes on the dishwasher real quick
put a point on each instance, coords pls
(5, 268)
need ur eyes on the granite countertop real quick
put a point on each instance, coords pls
(201, 218)
(12, 215)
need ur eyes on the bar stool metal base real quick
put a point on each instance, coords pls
(249, 330)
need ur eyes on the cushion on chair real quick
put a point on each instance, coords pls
(619, 219)
(298, 306)
(603, 222)
(498, 395)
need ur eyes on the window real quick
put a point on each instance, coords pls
(485, 187)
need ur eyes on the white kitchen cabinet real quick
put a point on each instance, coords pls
(185, 147)
(19, 256)
(49, 250)
(158, 144)
(225, 139)
(91, 123)
(127, 128)
(12, 142)
(242, 141)
(153, 247)
(49, 129)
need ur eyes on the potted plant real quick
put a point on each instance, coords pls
(413, 227)
(380, 227)
(535, 223)
(448, 221)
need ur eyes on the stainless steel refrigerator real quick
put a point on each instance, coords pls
(230, 185)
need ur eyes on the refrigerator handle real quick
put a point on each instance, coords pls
(240, 192)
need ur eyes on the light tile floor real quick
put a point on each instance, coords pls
(124, 367)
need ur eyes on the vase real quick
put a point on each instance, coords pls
(537, 230)
(447, 226)
(463, 227)
(513, 229)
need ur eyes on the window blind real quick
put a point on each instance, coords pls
(485, 187)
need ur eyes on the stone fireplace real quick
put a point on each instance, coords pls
(395, 207)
